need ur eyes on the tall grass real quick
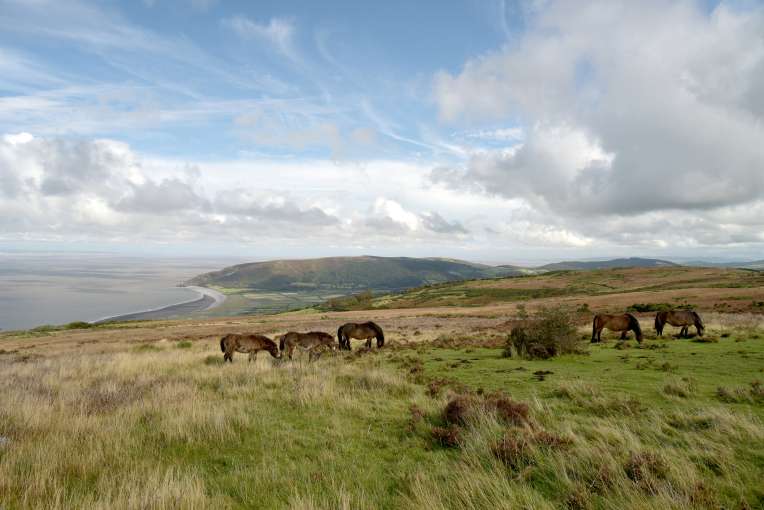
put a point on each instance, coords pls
(175, 428)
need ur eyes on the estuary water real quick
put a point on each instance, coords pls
(38, 289)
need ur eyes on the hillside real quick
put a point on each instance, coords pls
(347, 273)
(717, 289)
(574, 265)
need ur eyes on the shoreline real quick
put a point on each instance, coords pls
(209, 299)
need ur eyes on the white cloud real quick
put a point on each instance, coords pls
(643, 121)
(279, 32)
(102, 190)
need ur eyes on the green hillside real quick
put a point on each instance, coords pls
(366, 272)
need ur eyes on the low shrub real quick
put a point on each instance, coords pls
(78, 325)
(513, 450)
(544, 334)
(465, 408)
(448, 437)
(649, 307)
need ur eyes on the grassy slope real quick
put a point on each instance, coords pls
(733, 289)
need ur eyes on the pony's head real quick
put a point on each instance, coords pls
(634, 325)
(273, 349)
(699, 323)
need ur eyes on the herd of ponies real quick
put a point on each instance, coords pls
(317, 342)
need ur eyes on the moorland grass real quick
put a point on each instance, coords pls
(164, 427)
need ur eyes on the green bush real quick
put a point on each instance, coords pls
(544, 334)
(649, 307)
(360, 301)
(78, 325)
(658, 307)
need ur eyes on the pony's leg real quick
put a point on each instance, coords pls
(623, 335)
(368, 343)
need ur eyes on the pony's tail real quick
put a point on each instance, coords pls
(380, 334)
(222, 343)
(594, 328)
(634, 324)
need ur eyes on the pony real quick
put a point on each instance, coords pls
(683, 318)
(314, 342)
(361, 331)
(251, 344)
(623, 323)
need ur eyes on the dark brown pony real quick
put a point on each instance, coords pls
(683, 318)
(623, 323)
(251, 344)
(361, 331)
(314, 342)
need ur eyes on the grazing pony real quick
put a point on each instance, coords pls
(313, 342)
(361, 331)
(251, 344)
(683, 318)
(623, 323)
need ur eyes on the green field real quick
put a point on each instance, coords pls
(674, 424)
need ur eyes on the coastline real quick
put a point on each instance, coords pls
(209, 299)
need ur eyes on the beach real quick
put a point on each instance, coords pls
(209, 298)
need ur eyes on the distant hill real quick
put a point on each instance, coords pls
(348, 273)
(606, 264)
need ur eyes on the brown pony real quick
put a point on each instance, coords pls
(683, 318)
(362, 331)
(251, 344)
(623, 323)
(313, 342)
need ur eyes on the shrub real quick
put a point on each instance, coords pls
(184, 344)
(514, 451)
(78, 325)
(643, 465)
(360, 301)
(649, 307)
(546, 333)
(448, 437)
(464, 408)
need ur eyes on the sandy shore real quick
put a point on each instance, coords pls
(208, 299)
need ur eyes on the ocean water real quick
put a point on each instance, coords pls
(37, 289)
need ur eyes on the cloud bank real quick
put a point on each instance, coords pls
(643, 121)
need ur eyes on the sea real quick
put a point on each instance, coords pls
(57, 288)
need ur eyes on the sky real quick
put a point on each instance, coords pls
(489, 130)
